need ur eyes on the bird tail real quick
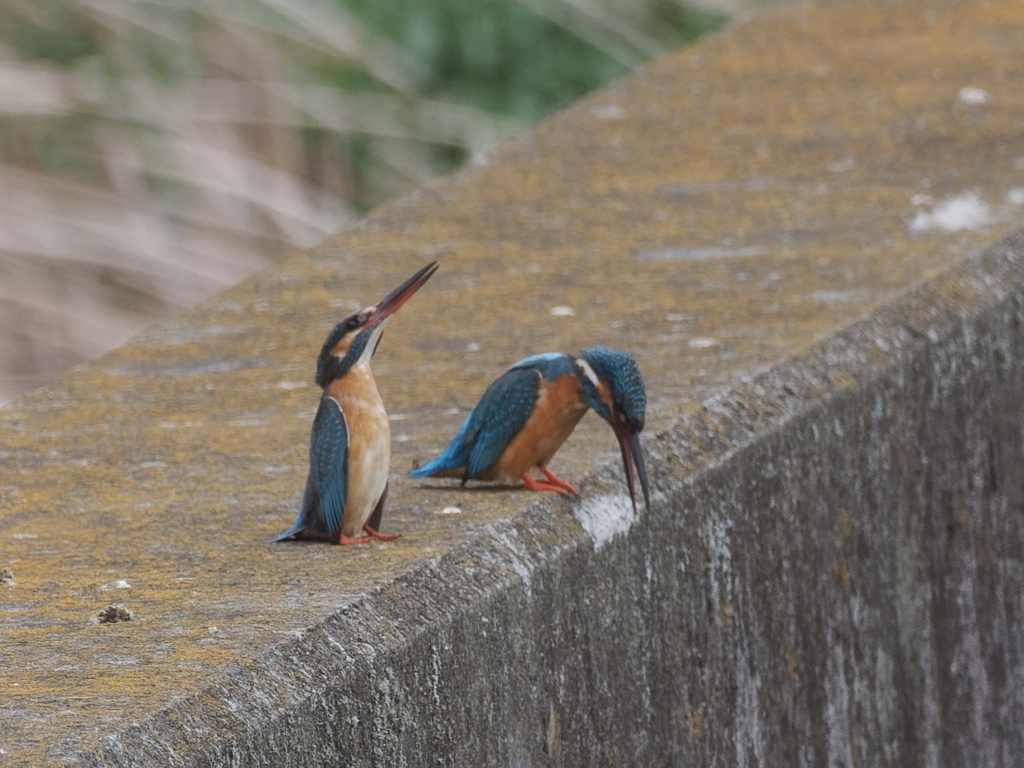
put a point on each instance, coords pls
(451, 463)
(431, 468)
(293, 532)
(453, 458)
(301, 521)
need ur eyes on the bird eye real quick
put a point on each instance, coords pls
(352, 324)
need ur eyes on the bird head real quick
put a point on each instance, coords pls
(355, 339)
(613, 387)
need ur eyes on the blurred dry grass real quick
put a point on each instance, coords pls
(155, 151)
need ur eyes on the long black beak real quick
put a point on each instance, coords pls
(394, 300)
(632, 456)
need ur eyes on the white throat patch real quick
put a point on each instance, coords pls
(371, 345)
(584, 366)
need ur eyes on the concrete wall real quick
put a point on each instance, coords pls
(831, 574)
(791, 225)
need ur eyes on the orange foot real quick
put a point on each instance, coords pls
(378, 535)
(556, 480)
(553, 484)
(347, 540)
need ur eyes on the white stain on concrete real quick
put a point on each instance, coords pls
(844, 297)
(966, 211)
(1016, 196)
(563, 311)
(252, 422)
(119, 584)
(749, 735)
(608, 112)
(718, 537)
(701, 254)
(837, 710)
(973, 96)
(605, 517)
(518, 559)
(702, 342)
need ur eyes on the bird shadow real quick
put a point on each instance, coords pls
(482, 489)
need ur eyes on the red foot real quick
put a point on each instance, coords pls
(380, 536)
(556, 480)
(345, 540)
(543, 485)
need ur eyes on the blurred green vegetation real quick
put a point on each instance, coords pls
(153, 151)
(504, 57)
(519, 60)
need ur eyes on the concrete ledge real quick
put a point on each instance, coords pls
(832, 574)
(792, 241)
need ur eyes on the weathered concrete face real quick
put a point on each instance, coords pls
(830, 571)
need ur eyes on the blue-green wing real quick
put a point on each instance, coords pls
(490, 426)
(328, 463)
(499, 416)
(323, 504)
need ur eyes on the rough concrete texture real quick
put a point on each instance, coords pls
(783, 224)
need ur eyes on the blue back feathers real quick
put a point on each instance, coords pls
(622, 375)
(550, 364)
(497, 418)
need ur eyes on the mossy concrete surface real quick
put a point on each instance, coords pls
(783, 224)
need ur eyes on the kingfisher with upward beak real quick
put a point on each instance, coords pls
(350, 446)
(530, 410)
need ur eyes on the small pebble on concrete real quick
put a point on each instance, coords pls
(114, 613)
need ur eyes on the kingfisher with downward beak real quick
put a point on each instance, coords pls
(531, 409)
(350, 445)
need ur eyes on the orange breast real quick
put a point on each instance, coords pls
(369, 445)
(559, 409)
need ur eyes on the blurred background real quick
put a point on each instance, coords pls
(155, 151)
